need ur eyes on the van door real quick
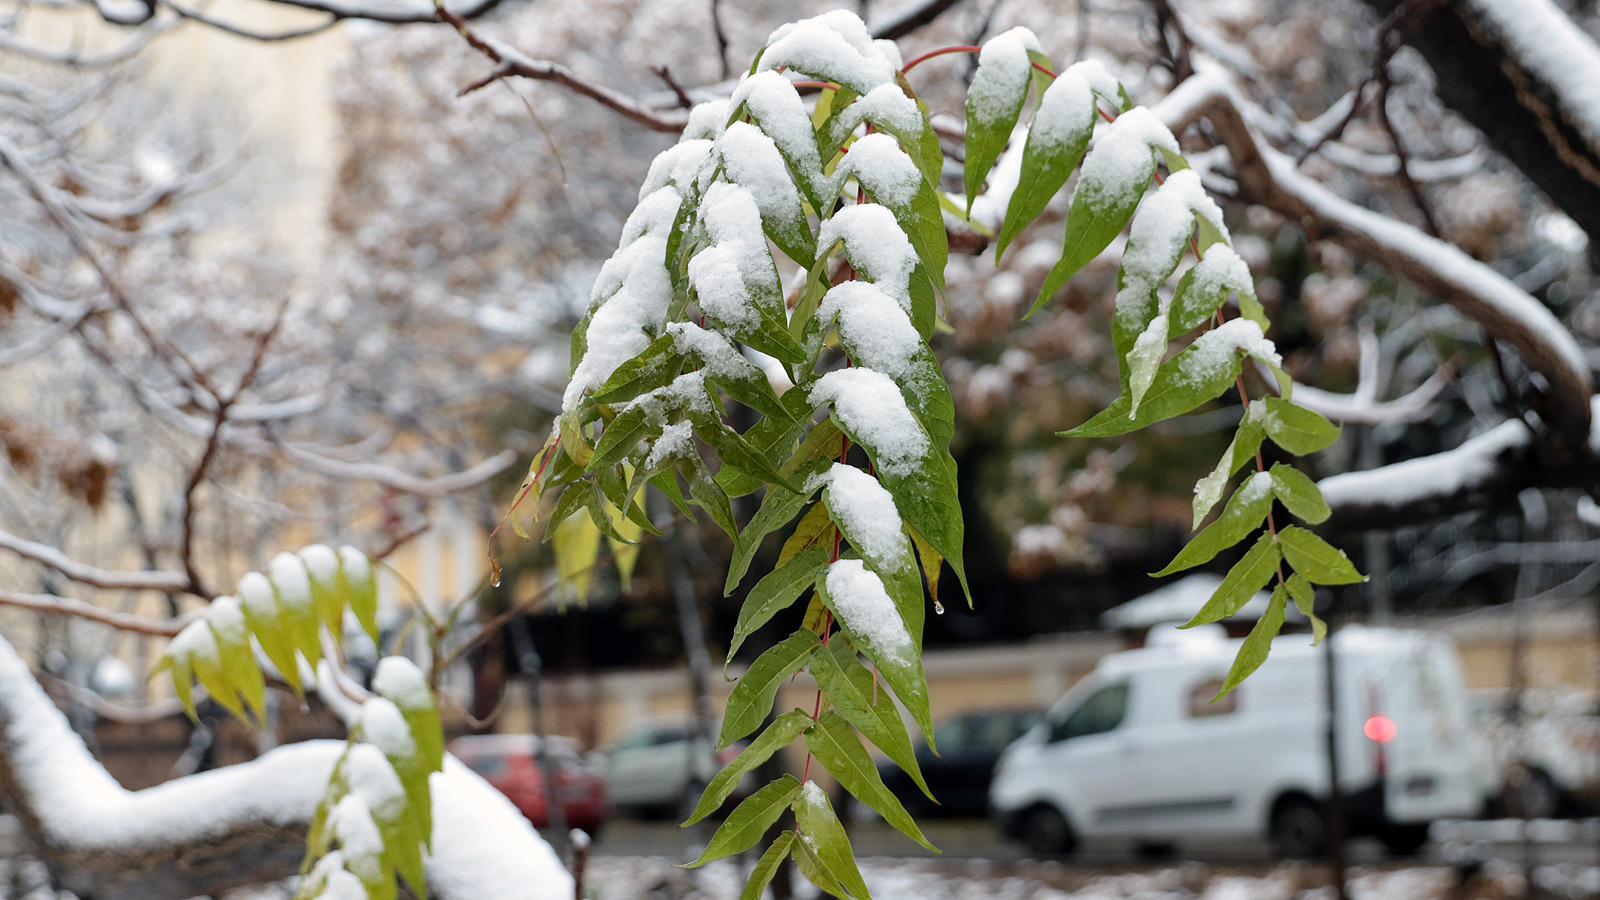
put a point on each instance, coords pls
(1086, 754)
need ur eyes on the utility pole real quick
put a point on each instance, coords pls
(1337, 856)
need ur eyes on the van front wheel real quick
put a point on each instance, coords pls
(1298, 830)
(1046, 832)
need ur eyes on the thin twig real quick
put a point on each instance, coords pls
(70, 606)
(721, 36)
(665, 74)
(514, 63)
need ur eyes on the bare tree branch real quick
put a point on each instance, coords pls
(908, 17)
(1505, 311)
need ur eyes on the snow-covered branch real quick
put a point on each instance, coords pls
(1506, 312)
(169, 582)
(242, 824)
(68, 606)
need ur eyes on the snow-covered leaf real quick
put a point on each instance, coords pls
(994, 101)
(823, 851)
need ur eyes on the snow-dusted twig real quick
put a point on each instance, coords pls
(513, 63)
(167, 582)
(69, 606)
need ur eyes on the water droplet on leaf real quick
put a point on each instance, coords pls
(938, 608)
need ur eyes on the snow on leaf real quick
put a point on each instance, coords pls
(994, 101)
(772, 101)
(752, 161)
(1114, 177)
(1206, 286)
(831, 47)
(869, 405)
(1057, 138)
(886, 107)
(884, 170)
(867, 515)
(706, 120)
(677, 165)
(876, 330)
(875, 245)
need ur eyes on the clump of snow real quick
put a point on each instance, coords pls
(875, 244)
(815, 797)
(1544, 38)
(882, 168)
(675, 441)
(1004, 68)
(350, 823)
(321, 563)
(1221, 270)
(257, 597)
(383, 726)
(724, 274)
(654, 215)
(1255, 488)
(687, 390)
(227, 620)
(874, 327)
(886, 106)
(196, 640)
(751, 160)
(713, 350)
(1066, 111)
(398, 679)
(773, 101)
(677, 165)
(868, 515)
(834, 46)
(706, 120)
(290, 580)
(1162, 227)
(621, 328)
(863, 606)
(870, 407)
(373, 779)
(1122, 161)
(1217, 350)
(357, 566)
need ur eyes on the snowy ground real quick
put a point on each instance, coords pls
(655, 878)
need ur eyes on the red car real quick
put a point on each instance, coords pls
(507, 762)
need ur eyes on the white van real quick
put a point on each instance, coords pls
(1136, 751)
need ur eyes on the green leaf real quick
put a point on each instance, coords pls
(773, 438)
(322, 565)
(733, 450)
(1295, 428)
(777, 508)
(1246, 510)
(261, 613)
(814, 530)
(752, 697)
(711, 497)
(994, 101)
(1247, 576)
(750, 820)
(777, 590)
(781, 733)
(622, 438)
(1174, 391)
(1207, 284)
(1319, 561)
(1052, 151)
(924, 225)
(1299, 494)
(824, 839)
(238, 661)
(1246, 441)
(654, 368)
(815, 871)
(902, 670)
(767, 866)
(1254, 650)
(854, 692)
(1305, 597)
(1109, 189)
(836, 746)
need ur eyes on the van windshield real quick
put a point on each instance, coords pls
(1101, 711)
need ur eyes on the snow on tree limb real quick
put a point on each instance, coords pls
(1506, 312)
(235, 825)
(91, 575)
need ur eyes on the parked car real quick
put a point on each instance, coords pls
(1547, 759)
(969, 746)
(1137, 751)
(507, 762)
(647, 770)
